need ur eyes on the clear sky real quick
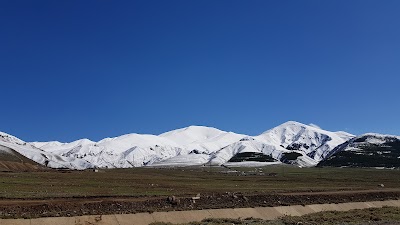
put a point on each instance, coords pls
(97, 68)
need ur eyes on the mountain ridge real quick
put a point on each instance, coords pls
(291, 142)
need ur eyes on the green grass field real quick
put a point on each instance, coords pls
(189, 181)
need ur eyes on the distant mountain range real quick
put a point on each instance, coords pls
(291, 143)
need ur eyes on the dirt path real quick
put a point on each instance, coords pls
(264, 213)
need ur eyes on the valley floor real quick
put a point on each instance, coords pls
(71, 193)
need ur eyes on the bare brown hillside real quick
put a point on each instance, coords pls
(10, 160)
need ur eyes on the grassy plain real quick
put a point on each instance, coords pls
(191, 180)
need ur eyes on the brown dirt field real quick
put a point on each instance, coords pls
(10, 208)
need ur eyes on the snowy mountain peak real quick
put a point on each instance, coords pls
(194, 130)
(290, 125)
(314, 142)
(192, 134)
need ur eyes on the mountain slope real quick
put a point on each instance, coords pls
(312, 141)
(368, 150)
(11, 160)
(309, 144)
(10, 143)
(243, 146)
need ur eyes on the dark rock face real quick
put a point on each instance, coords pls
(290, 157)
(251, 156)
(297, 146)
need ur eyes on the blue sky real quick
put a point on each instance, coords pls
(74, 69)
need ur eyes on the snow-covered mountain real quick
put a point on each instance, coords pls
(202, 139)
(291, 142)
(312, 144)
(134, 150)
(367, 150)
(131, 150)
(9, 143)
